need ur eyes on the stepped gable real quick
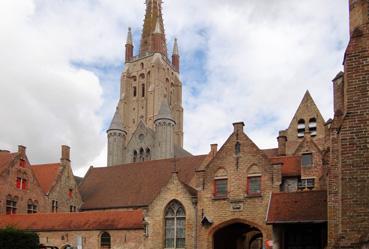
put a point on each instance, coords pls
(113, 220)
(135, 184)
(46, 175)
(312, 207)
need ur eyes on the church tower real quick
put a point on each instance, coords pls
(149, 79)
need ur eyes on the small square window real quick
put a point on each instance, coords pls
(307, 159)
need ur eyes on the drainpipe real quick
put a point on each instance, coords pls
(194, 202)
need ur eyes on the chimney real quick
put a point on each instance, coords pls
(22, 151)
(338, 93)
(65, 153)
(213, 150)
(238, 127)
(358, 15)
(282, 143)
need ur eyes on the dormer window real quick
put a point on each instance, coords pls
(301, 128)
(312, 127)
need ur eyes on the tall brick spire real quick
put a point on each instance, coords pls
(153, 20)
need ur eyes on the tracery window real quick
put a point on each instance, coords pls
(105, 240)
(175, 226)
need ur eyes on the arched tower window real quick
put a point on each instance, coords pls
(142, 156)
(175, 225)
(148, 154)
(312, 127)
(135, 156)
(105, 241)
(143, 90)
(301, 128)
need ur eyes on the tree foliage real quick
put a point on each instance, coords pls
(11, 238)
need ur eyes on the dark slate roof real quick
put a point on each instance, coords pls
(83, 221)
(298, 207)
(135, 184)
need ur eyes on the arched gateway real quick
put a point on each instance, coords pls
(237, 234)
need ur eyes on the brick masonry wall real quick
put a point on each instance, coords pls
(8, 187)
(349, 176)
(128, 239)
(154, 216)
(253, 209)
(59, 191)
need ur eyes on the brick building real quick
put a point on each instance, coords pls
(310, 192)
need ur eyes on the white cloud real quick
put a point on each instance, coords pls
(257, 59)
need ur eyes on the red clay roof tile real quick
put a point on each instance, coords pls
(83, 221)
(298, 207)
(135, 184)
(291, 165)
(46, 175)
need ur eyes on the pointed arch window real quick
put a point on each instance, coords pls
(312, 127)
(301, 128)
(175, 225)
(142, 155)
(148, 154)
(143, 90)
(105, 241)
(135, 156)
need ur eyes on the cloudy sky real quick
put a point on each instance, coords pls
(242, 60)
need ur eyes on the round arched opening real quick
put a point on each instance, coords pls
(238, 236)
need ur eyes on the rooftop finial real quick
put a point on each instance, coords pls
(175, 47)
(129, 37)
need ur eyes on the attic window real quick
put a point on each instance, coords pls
(312, 127)
(70, 193)
(21, 183)
(301, 128)
(237, 149)
(307, 159)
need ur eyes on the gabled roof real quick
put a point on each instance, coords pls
(291, 165)
(298, 207)
(83, 221)
(46, 175)
(135, 184)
